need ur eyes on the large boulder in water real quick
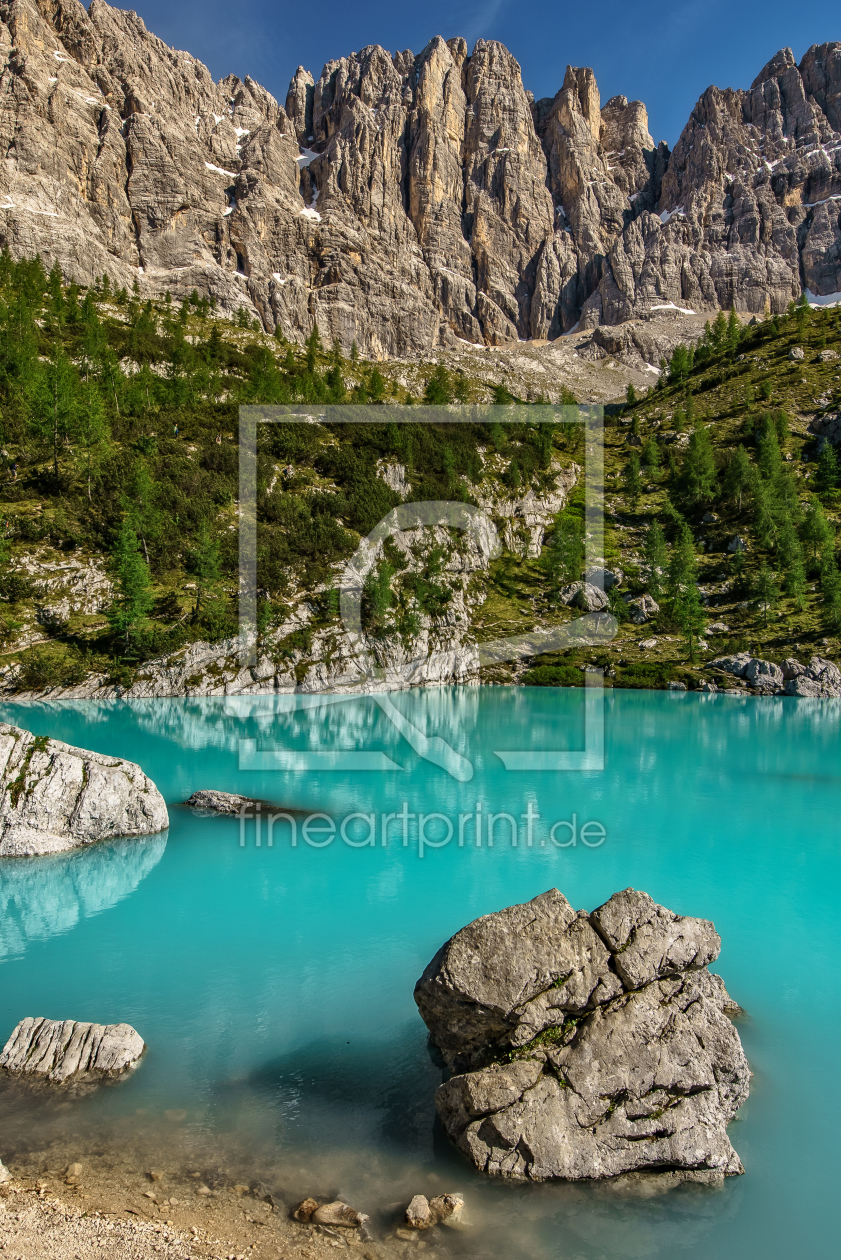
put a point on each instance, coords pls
(55, 797)
(586, 1046)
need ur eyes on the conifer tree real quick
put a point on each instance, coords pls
(737, 476)
(766, 591)
(698, 477)
(656, 557)
(817, 531)
(827, 474)
(565, 553)
(651, 455)
(93, 438)
(691, 617)
(204, 563)
(633, 481)
(831, 597)
(56, 406)
(683, 565)
(734, 331)
(134, 599)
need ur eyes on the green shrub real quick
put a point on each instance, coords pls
(554, 676)
(52, 665)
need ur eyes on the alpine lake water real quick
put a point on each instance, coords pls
(273, 984)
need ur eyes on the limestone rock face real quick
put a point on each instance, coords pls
(820, 678)
(61, 1051)
(56, 797)
(586, 1046)
(403, 201)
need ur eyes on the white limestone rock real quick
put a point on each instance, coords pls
(62, 1051)
(631, 1061)
(821, 679)
(585, 596)
(642, 609)
(55, 797)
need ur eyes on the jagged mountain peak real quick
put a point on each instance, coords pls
(404, 201)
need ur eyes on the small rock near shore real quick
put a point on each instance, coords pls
(60, 1051)
(209, 801)
(338, 1214)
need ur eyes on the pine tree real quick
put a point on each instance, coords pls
(683, 566)
(377, 595)
(565, 553)
(698, 477)
(768, 456)
(764, 509)
(718, 333)
(766, 591)
(827, 474)
(817, 531)
(737, 476)
(140, 505)
(56, 406)
(134, 598)
(633, 482)
(734, 331)
(438, 391)
(93, 438)
(204, 564)
(795, 582)
(831, 598)
(630, 395)
(651, 455)
(691, 617)
(656, 557)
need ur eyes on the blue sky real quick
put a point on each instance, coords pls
(664, 55)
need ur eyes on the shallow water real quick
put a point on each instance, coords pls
(274, 984)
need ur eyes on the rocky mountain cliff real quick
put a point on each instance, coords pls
(405, 201)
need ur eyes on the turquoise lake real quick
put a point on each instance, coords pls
(273, 985)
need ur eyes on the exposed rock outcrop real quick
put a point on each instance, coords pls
(209, 801)
(820, 678)
(586, 1046)
(55, 797)
(62, 1051)
(405, 201)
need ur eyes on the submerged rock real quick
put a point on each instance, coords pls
(444, 1209)
(55, 797)
(60, 1051)
(340, 1214)
(586, 1045)
(209, 801)
(328, 1216)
